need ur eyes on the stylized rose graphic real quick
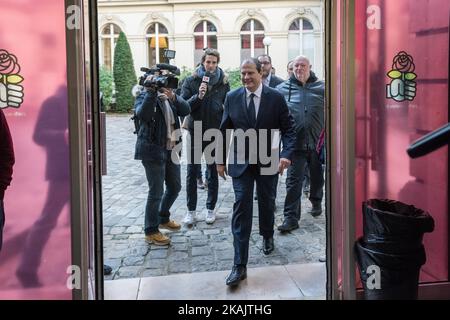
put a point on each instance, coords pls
(8, 63)
(403, 62)
(402, 86)
(11, 92)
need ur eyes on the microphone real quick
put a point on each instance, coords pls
(205, 78)
(148, 70)
(171, 68)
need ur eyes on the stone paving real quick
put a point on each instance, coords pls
(200, 248)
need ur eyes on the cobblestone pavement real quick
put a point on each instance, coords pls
(200, 248)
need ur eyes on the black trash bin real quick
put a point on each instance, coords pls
(392, 241)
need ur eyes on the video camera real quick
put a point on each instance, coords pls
(168, 80)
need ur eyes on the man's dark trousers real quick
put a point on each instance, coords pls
(294, 181)
(266, 188)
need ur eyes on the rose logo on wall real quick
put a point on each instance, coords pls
(402, 86)
(11, 93)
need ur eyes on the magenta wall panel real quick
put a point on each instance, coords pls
(385, 127)
(37, 236)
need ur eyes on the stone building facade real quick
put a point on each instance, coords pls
(236, 28)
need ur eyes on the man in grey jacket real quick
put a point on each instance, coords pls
(304, 95)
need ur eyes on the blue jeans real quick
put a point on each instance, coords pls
(294, 181)
(159, 201)
(211, 177)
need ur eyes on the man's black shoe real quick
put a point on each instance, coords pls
(238, 273)
(288, 225)
(316, 209)
(268, 245)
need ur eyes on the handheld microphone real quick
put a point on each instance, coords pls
(205, 78)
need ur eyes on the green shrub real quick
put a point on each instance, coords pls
(234, 76)
(106, 86)
(185, 72)
(124, 75)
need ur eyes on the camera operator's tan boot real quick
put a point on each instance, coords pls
(171, 225)
(157, 239)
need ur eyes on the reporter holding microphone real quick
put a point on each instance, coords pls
(205, 92)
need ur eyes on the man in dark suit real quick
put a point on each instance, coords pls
(254, 109)
(268, 79)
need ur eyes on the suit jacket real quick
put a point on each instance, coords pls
(273, 114)
(274, 81)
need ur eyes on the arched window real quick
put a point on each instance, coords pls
(301, 39)
(157, 41)
(205, 36)
(252, 35)
(109, 36)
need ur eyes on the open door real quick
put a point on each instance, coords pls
(37, 247)
(388, 64)
(86, 147)
(48, 92)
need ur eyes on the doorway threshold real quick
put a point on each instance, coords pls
(288, 282)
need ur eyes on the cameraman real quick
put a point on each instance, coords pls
(205, 92)
(158, 110)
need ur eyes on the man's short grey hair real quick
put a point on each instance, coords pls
(302, 57)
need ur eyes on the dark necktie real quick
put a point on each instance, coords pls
(251, 110)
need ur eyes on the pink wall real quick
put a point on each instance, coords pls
(385, 128)
(37, 236)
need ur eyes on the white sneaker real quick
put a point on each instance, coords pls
(189, 218)
(210, 217)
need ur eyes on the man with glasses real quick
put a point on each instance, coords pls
(268, 79)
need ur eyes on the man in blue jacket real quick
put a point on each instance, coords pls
(304, 95)
(205, 92)
(256, 109)
(158, 111)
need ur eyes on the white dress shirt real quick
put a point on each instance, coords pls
(266, 81)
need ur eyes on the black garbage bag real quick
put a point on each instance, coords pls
(391, 226)
(398, 273)
(392, 243)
